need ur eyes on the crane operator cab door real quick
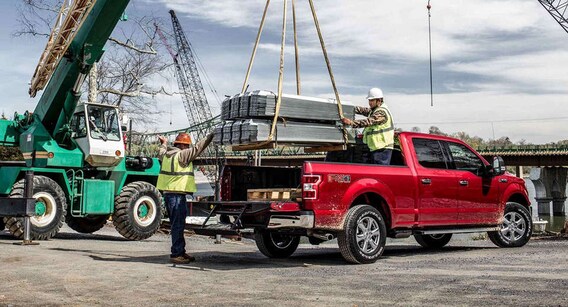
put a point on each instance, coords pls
(96, 130)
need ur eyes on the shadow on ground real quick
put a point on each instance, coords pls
(226, 261)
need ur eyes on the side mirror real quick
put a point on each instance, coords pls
(498, 166)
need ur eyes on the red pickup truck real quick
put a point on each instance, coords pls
(435, 186)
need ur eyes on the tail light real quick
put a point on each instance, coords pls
(310, 186)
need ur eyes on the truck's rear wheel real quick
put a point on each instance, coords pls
(86, 224)
(276, 245)
(363, 237)
(516, 229)
(50, 210)
(433, 241)
(138, 211)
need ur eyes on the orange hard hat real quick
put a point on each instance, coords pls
(183, 138)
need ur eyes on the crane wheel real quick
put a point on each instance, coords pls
(138, 211)
(51, 208)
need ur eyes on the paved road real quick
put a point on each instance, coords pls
(103, 269)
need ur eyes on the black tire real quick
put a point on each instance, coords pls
(138, 211)
(2, 224)
(516, 229)
(86, 224)
(433, 241)
(276, 245)
(372, 219)
(50, 214)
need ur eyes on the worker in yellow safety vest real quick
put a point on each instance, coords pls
(379, 127)
(176, 180)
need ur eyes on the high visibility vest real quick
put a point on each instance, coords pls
(380, 136)
(175, 178)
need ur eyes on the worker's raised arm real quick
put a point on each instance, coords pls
(363, 111)
(378, 118)
(186, 156)
(163, 147)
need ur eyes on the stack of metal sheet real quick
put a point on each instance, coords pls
(308, 121)
(253, 131)
(262, 104)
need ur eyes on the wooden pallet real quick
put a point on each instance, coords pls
(273, 194)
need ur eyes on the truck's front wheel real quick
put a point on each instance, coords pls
(276, 245)
(138, 211)
(50, 209)
(516, 228)
(86, 224)
(363, 237)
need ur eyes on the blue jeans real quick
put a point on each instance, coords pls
(381, 156)
(176, 205)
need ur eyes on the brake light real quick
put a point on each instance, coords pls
(310, 186)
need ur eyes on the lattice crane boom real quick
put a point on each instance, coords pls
(558, 9)
(189, 81)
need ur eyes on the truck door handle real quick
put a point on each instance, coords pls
(426, 180)
(464, 182)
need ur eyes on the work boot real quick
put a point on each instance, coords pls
(188, 257)
(180, 260)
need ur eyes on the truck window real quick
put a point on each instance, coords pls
(429, 153)
(464, 159)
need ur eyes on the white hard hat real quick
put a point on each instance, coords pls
(375, 93)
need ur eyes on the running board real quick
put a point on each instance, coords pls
(461, 230)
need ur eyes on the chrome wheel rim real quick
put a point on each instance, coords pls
(368, 235)
(514, 227)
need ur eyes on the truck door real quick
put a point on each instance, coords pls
(437, 185)
(478, 194)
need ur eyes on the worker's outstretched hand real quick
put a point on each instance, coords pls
(163, 139)
(347, 121)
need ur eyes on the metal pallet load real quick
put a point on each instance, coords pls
(302, 120)
(262, 104)
(253, 131)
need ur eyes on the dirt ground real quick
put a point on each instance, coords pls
(104, 269)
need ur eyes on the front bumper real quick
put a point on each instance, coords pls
(305, 220)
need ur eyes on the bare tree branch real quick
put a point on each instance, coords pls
(128, 44)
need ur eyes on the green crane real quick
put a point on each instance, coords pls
(76, 150)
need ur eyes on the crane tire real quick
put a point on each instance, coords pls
(138, 211)
(51, 209)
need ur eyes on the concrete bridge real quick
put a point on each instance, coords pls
(548, 164)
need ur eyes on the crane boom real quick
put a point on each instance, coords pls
(80, 41)
(558, 9)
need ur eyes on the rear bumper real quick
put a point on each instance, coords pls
(304, 220)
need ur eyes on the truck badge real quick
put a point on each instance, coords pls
(339, 178)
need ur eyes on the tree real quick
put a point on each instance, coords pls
(128, 67)
(436, 130)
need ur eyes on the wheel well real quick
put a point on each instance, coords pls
(57, 177)
(378, 202)
(132, 178)
(518, 198)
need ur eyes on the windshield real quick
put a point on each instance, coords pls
(103, 123)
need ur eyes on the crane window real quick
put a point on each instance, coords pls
(103, 123)
(78, 126)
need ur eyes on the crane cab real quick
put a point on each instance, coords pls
(97, 131)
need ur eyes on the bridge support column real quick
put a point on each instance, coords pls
(550, 185)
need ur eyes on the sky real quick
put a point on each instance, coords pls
(499, 66)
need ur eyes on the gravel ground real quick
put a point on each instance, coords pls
(104, 269)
